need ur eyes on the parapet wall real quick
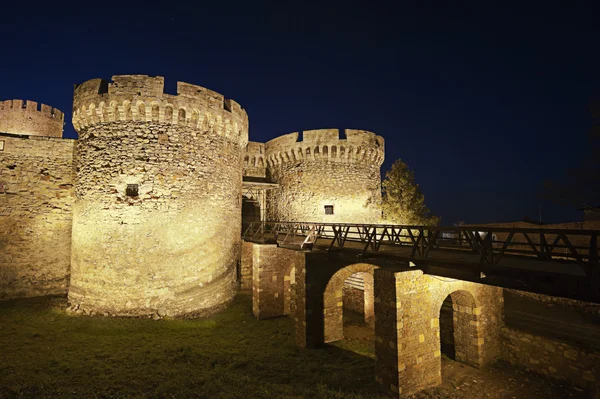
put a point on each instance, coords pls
(254, 160)
(36, 201)
(323, 178)
(30, 118)
(142, 98)
(325, 144)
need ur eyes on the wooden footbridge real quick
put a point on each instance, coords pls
(555, 262)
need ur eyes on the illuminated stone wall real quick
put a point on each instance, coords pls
(321, 170)
(171, 249)
(36, 198)
(29, 118)
(407, 327)
(254, 160)
(551, 357)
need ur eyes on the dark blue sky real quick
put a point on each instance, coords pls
(484, 103)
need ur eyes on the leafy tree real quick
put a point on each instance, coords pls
(402, 201)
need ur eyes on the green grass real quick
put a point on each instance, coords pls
(45, 352)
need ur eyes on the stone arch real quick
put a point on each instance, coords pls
(261, 163)
(155, 112)
(181, 114)
(195, 118)
(465, 326)
(127, 110)
(325, 151)
(168, 113)
(300, 153)
(92, 113)
(342, 151)
(333, 300)
(316, 152)
(102, 113)
(141, 111)
(115, 111)
(333, 151)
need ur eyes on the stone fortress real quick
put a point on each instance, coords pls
(142, 213)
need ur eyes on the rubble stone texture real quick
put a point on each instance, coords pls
(551, 357)
(170, 248)
(322, 170)
(36, 196)
(24, 117)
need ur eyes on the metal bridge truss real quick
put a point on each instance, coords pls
(491, 244)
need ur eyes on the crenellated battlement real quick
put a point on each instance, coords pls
(254, 159)
(326, 145)
(30, 118)
(142, 98)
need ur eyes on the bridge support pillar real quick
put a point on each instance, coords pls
(407, 329)
(271, 270)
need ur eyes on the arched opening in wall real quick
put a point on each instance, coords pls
(349, 310)
(447, 329)
(168, 114)
(459, 329)
(155, 112)
(250, 211)
(142, 112)
(181, 117)
(127, 110)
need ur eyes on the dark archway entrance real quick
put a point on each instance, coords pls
(250, 211)
(447, 329)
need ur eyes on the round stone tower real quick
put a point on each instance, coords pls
(26, 118)
(323, 178)
(157, 217)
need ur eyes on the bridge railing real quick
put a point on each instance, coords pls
(491, 243)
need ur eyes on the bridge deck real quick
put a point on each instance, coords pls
(552, 262)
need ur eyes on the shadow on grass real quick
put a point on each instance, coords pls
(48, 353)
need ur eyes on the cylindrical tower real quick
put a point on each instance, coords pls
(158, 185)
(323, 178)
(30, 119)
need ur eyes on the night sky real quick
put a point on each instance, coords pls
(482, 103)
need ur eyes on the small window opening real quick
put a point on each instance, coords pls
(132, 190)
(329, 209)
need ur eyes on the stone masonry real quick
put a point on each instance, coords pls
(29, 118)
(407, 310)
(157, 217)
(36, 193)
(323, 170)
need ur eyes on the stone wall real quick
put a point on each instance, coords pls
(272, 271)
(29, 118)
(551, 357)
(245, 274)
(157, 217)
(407, 329)
(254, 160)
(354, 299)
(324, 170)
(36, 198)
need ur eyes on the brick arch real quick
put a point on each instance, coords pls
(465, 315)
(333, 300)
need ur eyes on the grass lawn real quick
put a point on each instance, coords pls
(45, 352)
